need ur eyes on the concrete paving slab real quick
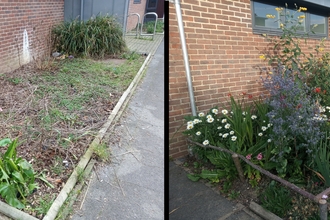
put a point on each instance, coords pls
(195, 200)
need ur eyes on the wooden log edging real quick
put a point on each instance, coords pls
(267, 173)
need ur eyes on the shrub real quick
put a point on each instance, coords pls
(96, 37)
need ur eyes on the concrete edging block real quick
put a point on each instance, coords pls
(263, 212)
(59, 201)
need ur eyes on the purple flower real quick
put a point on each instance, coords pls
(324, 196)
(248, 156)
(71, 57)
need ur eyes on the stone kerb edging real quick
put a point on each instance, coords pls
(54, 209)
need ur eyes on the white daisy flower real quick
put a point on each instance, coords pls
(260, 134)
(215, 111)
(269, 140)
(190, 123)
(253, 117)
(196, 121)
(219, 127)
(223, 121)
(220, 134)
(225, 135)
(263, 128)
(198, 133)
(233, 138)
(201, 114)
(209, 116)
(227, 126)
(189, 127)
(244, 113)
(231, 132)
(200, 121)
(224, 111)
(206, 142)
(210, 120)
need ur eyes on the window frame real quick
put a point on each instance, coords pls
(136, 1)
(273, 31)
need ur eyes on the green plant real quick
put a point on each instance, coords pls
(96, 37)
(102, 151)
(44, 204)
(58, 166)
(234, 194)
(17, 176)
(322, 161)
(276, 199)
(150, 26)
(15, 80)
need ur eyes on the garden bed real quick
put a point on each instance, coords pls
(55, 110)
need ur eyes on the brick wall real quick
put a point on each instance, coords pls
(135, 8)
(36, 17)
(223, 54)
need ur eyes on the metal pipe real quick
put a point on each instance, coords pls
(81, 10)
(185, 56)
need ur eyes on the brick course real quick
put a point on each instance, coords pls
(36, 17)
(223, 55)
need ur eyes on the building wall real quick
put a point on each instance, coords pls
(135, 8)
(36, 17)
(223, 54)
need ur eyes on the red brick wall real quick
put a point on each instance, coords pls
(223, 54)
(135, 8)
(36, 17)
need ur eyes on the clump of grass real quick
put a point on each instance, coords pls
(149, 27)
(96, 37)
(102, 152)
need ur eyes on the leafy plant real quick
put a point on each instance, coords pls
(276, 199)
(96, 37)
(322, 161)
(17, 176)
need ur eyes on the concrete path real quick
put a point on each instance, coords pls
(132, 185)
(196, 201)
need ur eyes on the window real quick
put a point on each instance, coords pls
(137, 2)
(266, 19)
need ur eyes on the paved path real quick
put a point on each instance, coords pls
(132, 185)
(144, 46)
(195, 201)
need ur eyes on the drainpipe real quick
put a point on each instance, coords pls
(81, 10)
(185, 56)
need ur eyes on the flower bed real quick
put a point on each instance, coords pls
(283, 133)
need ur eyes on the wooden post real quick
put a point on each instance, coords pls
(238, 167)
(323, 209)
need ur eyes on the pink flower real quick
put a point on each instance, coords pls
(248, 156)
(259, 157)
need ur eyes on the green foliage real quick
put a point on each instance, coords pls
(322, 161)
(150, 26)
(44, 204)
(17, 176)
(276, 199)
(96, 37)
(102, 151)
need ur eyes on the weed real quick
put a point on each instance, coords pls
(80, 172)
(15, 80)
(234, 194)
(102, 152)
(45, 203)
(58, 167)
